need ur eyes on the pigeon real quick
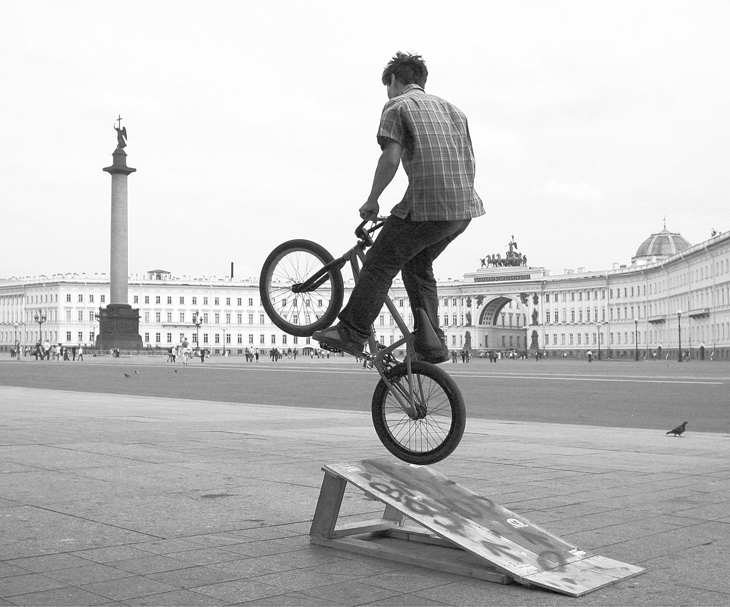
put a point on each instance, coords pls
(136, 372)
(678, 430)
(127, 375)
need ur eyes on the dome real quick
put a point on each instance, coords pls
(659, 246)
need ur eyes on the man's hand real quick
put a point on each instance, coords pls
(370, 210)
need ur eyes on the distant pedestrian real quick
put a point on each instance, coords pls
(80, 354)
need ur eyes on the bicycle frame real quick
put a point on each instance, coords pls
(381, 358)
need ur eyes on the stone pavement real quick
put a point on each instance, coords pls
(123, 500)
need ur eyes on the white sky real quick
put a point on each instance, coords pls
(253, 122)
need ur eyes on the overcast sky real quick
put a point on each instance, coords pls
(254, 122)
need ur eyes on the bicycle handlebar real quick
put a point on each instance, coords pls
(364, 235)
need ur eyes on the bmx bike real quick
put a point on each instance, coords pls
(417, 409)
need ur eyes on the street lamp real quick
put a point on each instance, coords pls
(679, 335)
(636, 340)
(16, 324)
(40, 317)
(197, 321)
(598, 327)
(224, 339)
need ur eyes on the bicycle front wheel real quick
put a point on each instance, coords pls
(296, 310)
(435, 429)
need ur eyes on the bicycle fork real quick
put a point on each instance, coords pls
(411, 399)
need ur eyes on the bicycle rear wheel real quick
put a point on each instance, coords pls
(436, 430)
(294, 310)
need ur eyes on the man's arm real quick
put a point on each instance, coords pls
(385, 171)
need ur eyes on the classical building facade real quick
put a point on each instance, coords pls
(672, 294)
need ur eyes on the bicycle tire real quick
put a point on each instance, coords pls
(300, 314)
(440, 428)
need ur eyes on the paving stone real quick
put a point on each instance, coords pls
(70, 596)
(351, 593)
(23, 584)
(128, 588)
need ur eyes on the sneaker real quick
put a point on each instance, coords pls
(434, 357)
(339, 338)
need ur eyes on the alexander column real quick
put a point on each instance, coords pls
(118, 322)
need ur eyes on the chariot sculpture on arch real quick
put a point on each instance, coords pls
(512, 257)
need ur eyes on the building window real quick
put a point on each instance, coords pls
(91, 299)
(102, 298)
(135, 299)
(250, 319)
(169, 338)
(228, 301)
(217, 317)
(195, 301)
(216, 301)
(68, 335)
(228, 338)
(169, 299)
(239, 319)
(250, 301)
(262, 339)
(239, 338)
(81, 316)
(146, 299)
(205, 318)
(157, 338)
(157, 299)
(228, 318)
(182, 301)
(157, 318)
(238, 301)
(216, 338)
(250, 338)
(205, 301)
(68, 315)
(261, 319)
(182, 316)
(169, 317)
(205, 338)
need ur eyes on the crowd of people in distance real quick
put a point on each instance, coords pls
(48, 351)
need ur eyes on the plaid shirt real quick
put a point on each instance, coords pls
(437, 157)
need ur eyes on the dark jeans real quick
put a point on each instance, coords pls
(407, 246)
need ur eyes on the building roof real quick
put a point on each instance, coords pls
(660, 245)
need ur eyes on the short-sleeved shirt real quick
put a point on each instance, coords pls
(437, 157)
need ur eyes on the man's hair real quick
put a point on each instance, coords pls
(408, 68)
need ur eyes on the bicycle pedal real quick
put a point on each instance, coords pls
(329, 348)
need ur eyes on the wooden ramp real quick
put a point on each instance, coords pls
(433, 522)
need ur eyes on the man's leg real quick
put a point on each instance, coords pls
(418, 278)
(399, 241)
(420, 284)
